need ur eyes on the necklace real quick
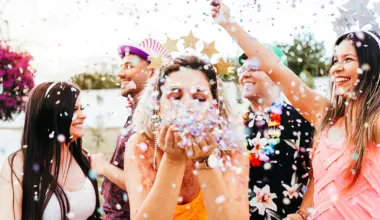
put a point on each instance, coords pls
(263, 147)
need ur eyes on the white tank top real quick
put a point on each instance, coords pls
(82, 204)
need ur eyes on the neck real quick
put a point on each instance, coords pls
(133, 99)
(65, 153)
(259, 104)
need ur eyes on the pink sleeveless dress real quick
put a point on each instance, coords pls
(330, 161)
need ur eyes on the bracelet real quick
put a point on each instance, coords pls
(302, 214)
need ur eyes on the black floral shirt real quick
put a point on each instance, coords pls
(116, 204)
(280, 166)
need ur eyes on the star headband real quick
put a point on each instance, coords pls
(373, 36)
(356, 16)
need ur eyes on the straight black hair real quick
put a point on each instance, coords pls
(48, 118)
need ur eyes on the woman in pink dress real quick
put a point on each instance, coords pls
(346, 154)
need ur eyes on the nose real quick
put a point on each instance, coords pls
(82, 115)
(244, 75)
(121, 74)
(336, 68)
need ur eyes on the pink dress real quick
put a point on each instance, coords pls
(330, 161)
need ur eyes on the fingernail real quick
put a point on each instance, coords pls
(175, 128)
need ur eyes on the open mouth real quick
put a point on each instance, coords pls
(339, 80)
(248, 86)
(130, 85)
(78, 125)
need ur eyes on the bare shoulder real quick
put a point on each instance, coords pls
(14, 165)
(139, 144)
(139, 159)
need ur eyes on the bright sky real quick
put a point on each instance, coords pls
(65, 36)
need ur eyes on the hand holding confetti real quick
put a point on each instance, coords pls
(200, 147)
(167, 138)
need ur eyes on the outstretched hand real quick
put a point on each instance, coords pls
(220, 12)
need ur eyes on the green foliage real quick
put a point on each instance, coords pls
(87, 81)
(305, 55)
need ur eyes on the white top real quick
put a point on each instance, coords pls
(82, 204)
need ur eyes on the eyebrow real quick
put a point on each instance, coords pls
(199, 89)
(127, 62)
(348, 54)
(172, 88)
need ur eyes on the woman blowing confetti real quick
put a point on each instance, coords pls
(49, 178)
(185, 160)
(345, 158)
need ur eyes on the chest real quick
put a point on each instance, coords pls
(82, 204)
(190, 187)
(71, 177)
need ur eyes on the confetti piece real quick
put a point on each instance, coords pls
(125, 197)
(36, 167)
(61, 138)
(180, 199)
(334, 198)
(92, 174)
(355, 156)
(267, 166)
(70, 215)
(51, 135)
(174, 186)
(286, 201)
(220, 199)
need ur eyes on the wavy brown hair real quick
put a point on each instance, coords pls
(363, 106)
(149, 100)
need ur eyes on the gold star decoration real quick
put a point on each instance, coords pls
(190, 40)
(170, 45)
(155, 61)
(209, 49)
(222, 67)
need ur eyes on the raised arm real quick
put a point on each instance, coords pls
(309, 103)
(11, 194)
(153, 196)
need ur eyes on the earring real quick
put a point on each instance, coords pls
(157, 120)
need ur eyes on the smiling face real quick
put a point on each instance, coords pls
(133, 75)
(345, 68)
(187, 87)
(256, 84)
(76, 128)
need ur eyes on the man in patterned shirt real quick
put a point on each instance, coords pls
(278, 139)
(134, 73)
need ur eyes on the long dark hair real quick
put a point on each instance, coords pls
(361, 112)
(49, 114)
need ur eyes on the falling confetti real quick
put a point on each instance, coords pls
(220, 199)
(51, 135)
(92, 174)
(61, 138)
